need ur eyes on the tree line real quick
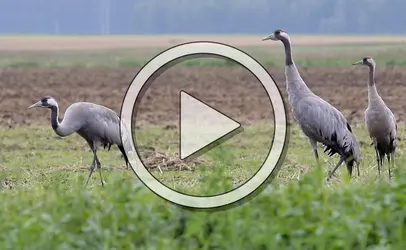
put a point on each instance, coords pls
(208, 16)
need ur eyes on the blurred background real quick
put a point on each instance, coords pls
(197, 17)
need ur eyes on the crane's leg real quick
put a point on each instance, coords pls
(316, 154)
(378, 162)
(99, 168)
(92, 167)
(390, 157)
(392, 161)
(358, 170)
(335, 168)
(381, 158)
(98, 164)
(378, 156)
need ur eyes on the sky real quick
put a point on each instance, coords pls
(201, 17)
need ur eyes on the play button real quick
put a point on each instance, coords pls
(166, 107)
(202, 127)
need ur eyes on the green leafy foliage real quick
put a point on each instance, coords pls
(304, 214)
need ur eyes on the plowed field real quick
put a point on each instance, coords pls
(232, 90)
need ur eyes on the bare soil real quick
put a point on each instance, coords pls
(233, 91)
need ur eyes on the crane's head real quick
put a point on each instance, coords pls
(367, 61)
(45, 102)
(278, 34)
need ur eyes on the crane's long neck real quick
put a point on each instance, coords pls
(372, 91)
(294, 82)
(58, 127)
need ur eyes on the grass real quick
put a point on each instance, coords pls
(320, 56)
(47, 207)
(239, 158)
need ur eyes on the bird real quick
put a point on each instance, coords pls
(379, 120)
(319, 120)
(98, 125)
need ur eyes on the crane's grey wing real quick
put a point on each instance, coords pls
(393, 128)
(317, 118)
(99, 123)
(381, 122)
(103, 123)
(392, 119)
(322, 122)
(111, 126)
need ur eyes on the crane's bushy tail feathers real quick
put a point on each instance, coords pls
(123, 154)
(330, 150)
(346, 146)
(126, 143)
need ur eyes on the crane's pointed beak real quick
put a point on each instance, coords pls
(269, 37)
(358, 63)
(36, 105)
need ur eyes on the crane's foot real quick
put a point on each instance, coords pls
(102, 182)
(101, 177)
(127, 166)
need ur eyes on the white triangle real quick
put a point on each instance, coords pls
(200, 125)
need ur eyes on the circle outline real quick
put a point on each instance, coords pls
(279, 122)
(203, 55)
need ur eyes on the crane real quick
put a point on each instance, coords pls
(379, 120)
(318, 119)
(98, 125)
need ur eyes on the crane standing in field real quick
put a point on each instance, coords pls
(98, 125)
(319, 120)
(379, 120)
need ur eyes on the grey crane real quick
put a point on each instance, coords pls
(98, 125)
(379, 120)
(318, 119)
